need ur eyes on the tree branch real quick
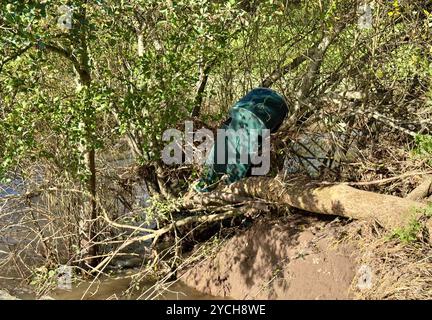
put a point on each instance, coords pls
(204, 73)
(14, 56)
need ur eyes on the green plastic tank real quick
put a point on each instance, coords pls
(261, 108)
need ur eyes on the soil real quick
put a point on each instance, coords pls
(297, 257)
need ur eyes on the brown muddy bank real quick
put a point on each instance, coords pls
(297, 257)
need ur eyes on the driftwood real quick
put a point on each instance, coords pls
(333, 199)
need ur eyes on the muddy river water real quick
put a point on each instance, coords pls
(114, 288)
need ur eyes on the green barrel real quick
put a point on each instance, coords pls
(261, 108)
(266, 104)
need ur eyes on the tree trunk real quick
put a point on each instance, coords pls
(90, 213)
(333, 199)
(201, 85)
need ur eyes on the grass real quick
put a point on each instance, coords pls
(409, 233)
(401, 263)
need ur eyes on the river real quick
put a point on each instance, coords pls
(114, 287)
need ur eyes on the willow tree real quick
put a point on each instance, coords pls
(78, 75)
(49, 90)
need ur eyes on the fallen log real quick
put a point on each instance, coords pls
(317, 197)
(422, 191)
(333, 199)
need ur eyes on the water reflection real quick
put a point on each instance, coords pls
(116, 289)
